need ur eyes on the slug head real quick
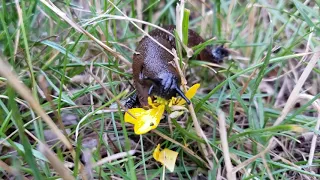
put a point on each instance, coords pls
(219, 53)
(166, 86)
(215, 55)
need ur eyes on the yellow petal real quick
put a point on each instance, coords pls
(168, 158)
(156, 153)
(145, 120)
(149, 120)
(173, 101)
(150, 102)
(190, 93)
(160, 100)
(136, 112)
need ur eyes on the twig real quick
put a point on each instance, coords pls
(113, 157)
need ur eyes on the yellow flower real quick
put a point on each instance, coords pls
(166, 157)
(180, 101)
(146, 120)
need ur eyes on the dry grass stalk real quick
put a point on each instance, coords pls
(251, 25)
(113, 157)
(231, 6)
(27, 53)
(252, 159)
(55, 162)
(125, 18)
(316, 105)
(204, 19)
(264, 161)
(17, 39)
(296, 90)
(225, 146)
(10, 170)
(309, 41)
(139, 11)
(44, 86)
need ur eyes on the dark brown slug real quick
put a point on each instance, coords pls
(152, 72)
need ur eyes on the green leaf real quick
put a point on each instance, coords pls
(61, 50)
(16, 117)
(185, 26)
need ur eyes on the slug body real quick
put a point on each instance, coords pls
(153, 69)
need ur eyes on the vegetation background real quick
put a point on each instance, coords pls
(66, 61)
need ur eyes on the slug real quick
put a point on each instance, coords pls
(153, 72)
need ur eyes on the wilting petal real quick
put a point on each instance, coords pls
(176, 114)
(156, 153)
(144, 120)
(190, 93)
(167, 157)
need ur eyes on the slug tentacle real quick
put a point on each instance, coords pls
(182, 95)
